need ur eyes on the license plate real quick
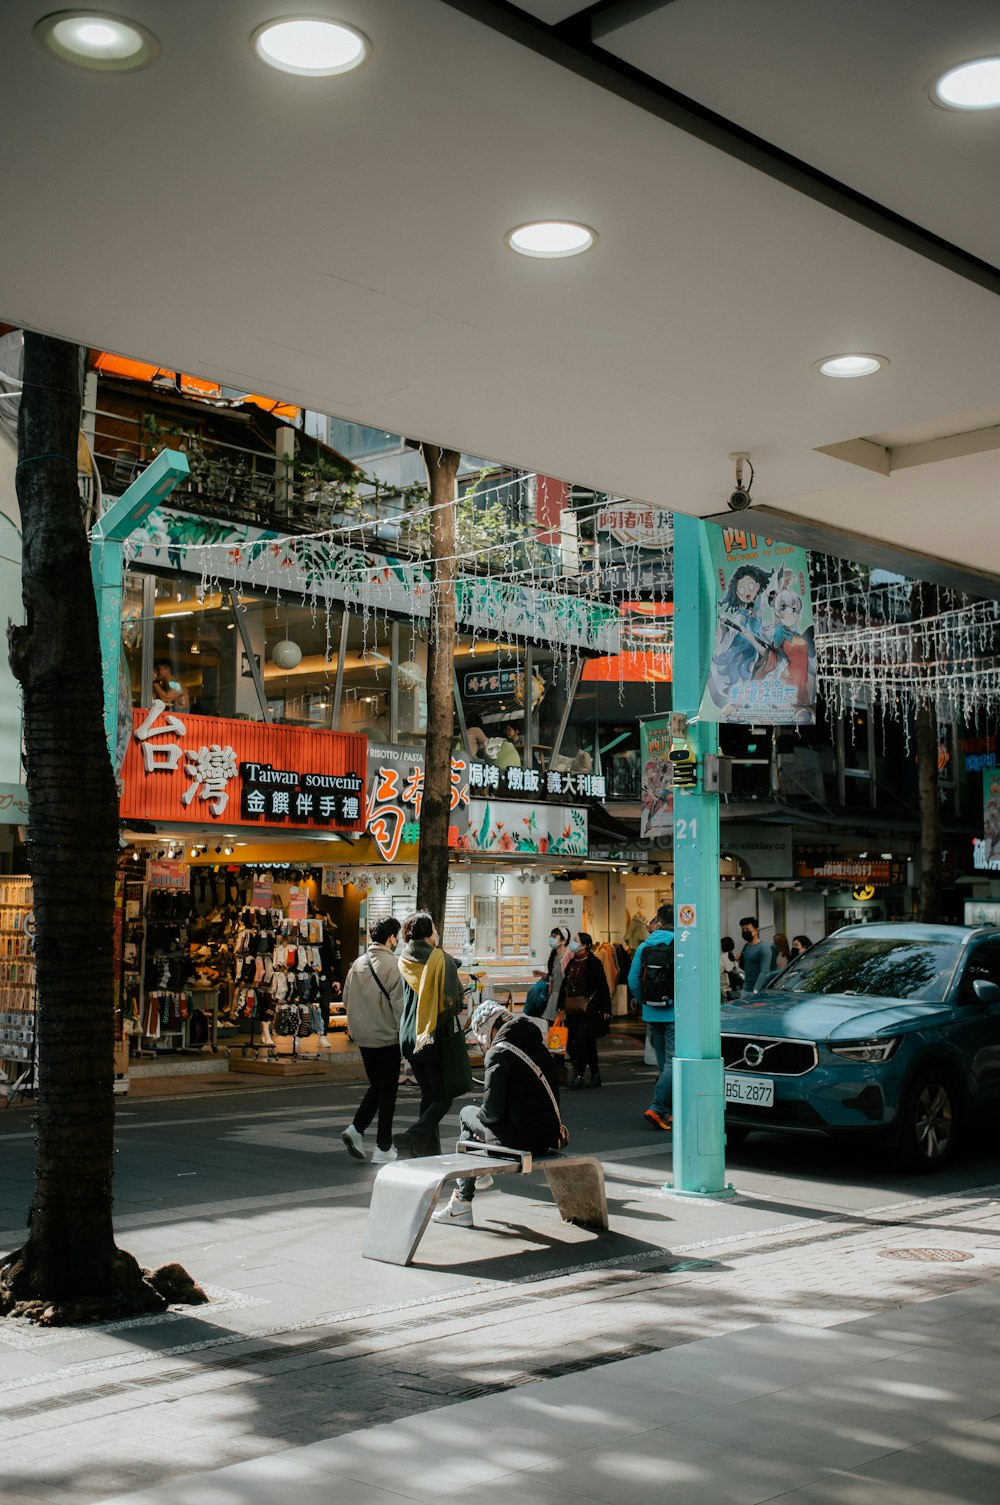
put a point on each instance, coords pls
(750, 1089)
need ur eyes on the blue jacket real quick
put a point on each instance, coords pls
(655, 1013)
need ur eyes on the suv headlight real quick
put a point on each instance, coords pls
(867, 1050)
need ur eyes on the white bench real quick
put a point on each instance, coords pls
(406, 1192)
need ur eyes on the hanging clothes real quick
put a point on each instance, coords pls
(605, 954)
(637, 932)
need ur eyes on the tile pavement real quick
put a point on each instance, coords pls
(901, 1407)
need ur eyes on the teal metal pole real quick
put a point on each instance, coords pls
(698, 1101)
(107, 567)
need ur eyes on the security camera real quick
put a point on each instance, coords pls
(739, 497)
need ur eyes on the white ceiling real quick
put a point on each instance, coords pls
(339, 241)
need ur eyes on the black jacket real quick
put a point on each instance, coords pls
(516, 1107)
(587, 978)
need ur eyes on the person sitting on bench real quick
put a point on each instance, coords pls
(520, 1106)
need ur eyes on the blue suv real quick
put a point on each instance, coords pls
(885, 1032)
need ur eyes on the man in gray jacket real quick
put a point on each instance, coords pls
(373, 995)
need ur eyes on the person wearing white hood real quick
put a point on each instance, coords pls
(520, 1105)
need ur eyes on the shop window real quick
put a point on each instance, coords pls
(410, 661)
(750, 748)
(620, 762)
(190, 645)
(299, 648)
(366, 697)
(855, 758)
(484, 914)
(132, 634)
(491, 676)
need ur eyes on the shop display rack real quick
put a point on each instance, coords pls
(279, 973)
(17, 988)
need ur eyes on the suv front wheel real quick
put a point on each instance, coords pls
(928, 1122)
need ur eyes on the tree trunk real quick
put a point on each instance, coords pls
(69, 1268)
(923, 604)
(432, 872)
(930, 814)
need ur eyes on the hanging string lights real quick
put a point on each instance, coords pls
(894, 647)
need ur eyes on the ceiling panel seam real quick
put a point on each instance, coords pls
(570, 46)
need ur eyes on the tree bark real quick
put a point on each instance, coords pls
(930, 814)
(432, 871)
(922, 605)
(69, 1268)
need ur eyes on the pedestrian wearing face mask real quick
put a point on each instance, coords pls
(756, 958)
(586, 1002)
(559, 955)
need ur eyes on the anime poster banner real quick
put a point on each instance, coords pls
(986, 853)
(763, 667)
(656, 813)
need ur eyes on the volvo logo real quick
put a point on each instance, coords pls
(753, 1055)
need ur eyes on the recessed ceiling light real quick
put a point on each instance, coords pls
(93, 39)
(550, 238)
(846, 366)
(970, 86)
(311, 46)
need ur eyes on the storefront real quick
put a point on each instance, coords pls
(858, 888)
(240, 827)
(222, 922)
(504, 894)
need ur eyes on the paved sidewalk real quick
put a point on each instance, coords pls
(306, 1345)
(902, 1407)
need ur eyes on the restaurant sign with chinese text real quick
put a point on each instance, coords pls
(489, 779)
(205, 769)
(884, 871)
(396, 795)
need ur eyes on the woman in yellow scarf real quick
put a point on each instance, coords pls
(432, 996)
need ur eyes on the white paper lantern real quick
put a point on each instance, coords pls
(286, 654)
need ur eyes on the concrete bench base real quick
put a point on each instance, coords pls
(406, 1192)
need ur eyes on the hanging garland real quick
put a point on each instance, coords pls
(895, 646)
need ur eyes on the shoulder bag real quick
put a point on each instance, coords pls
(378, 981)
(456, 1070)
(563, 1135)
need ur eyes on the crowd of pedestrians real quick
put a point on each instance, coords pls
(404, 997)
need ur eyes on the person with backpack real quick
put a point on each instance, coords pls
(373, 994)
(651, 983)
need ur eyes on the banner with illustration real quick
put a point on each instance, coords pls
(986, 853)
(763, 666)
(656, 811)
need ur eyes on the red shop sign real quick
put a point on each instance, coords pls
(199, 769)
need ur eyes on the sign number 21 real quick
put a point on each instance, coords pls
(685, 830)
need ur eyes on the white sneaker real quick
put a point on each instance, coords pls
(354, 1142)
(483, 1183)
(383, 1157)
(456, 1212)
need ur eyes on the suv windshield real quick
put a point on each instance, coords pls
(876, 967)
